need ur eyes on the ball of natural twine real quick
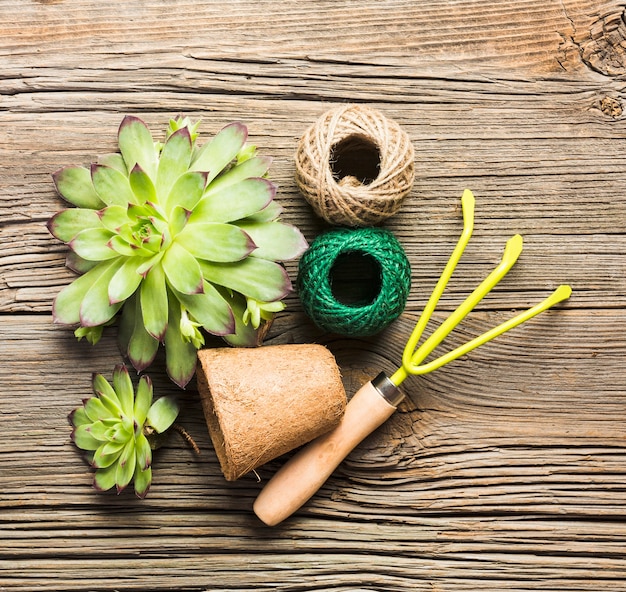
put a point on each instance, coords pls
(371, 303)
(355, 166)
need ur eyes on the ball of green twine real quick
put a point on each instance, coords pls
(354, 282)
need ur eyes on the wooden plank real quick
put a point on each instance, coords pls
(494, 33)
(532, 37)
(32, 267)
(569, 220)
(549, 422)
(532, 154)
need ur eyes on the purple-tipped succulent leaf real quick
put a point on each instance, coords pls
(73, 183)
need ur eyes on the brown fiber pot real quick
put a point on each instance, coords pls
(262, 402)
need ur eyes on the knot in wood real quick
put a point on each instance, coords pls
(611, 107)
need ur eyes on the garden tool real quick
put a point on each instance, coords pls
(376, 401)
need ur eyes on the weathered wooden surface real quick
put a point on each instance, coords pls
(506, 470)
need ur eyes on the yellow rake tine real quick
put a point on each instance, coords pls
(467, 202)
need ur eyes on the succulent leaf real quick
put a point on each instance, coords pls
(126, 428)
(78, 417)
(101, 385)
(169, 233)
(98, 429)
(178, 219)
(126, 466)
(182, 270)
(68, 223)
(275, 240)
(125, 281)
(95, 308)
(186, 191)
(141, 185)
(142, 348)
(190, 329)
(210, 309)
(96, 410)
(114, 160)
(135, 342)
(235, 201)
(113, 217)
(111, 185)
(181, 358)
(66, 307)
(91, 334)
(162, 414)
(84, 439)
(119, 432)
(183, 122)
(105, 478)
(74, 185)
(221, 150)
(254, 167)
(137, 146)
(123, 386)
(127, 460)
(257, 311)
(154, 311)
(269, 213)
(112, 404)
(113, 448)
(149, 263)
(174, 160)
(245, 334)
(216, 242)
(143, 452)
(143, 479)
(123, 248)
(143, 400)
(92, 244)
(101, 460)
(258, 278)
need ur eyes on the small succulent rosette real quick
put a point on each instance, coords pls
(118, 429)
(178, 237)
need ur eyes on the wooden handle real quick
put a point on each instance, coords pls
(307, 471)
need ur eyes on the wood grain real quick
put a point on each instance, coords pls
(505, 470)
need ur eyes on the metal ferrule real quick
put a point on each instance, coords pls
(387, 389)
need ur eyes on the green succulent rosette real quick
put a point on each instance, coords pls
(117, 428)
(178, 238)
